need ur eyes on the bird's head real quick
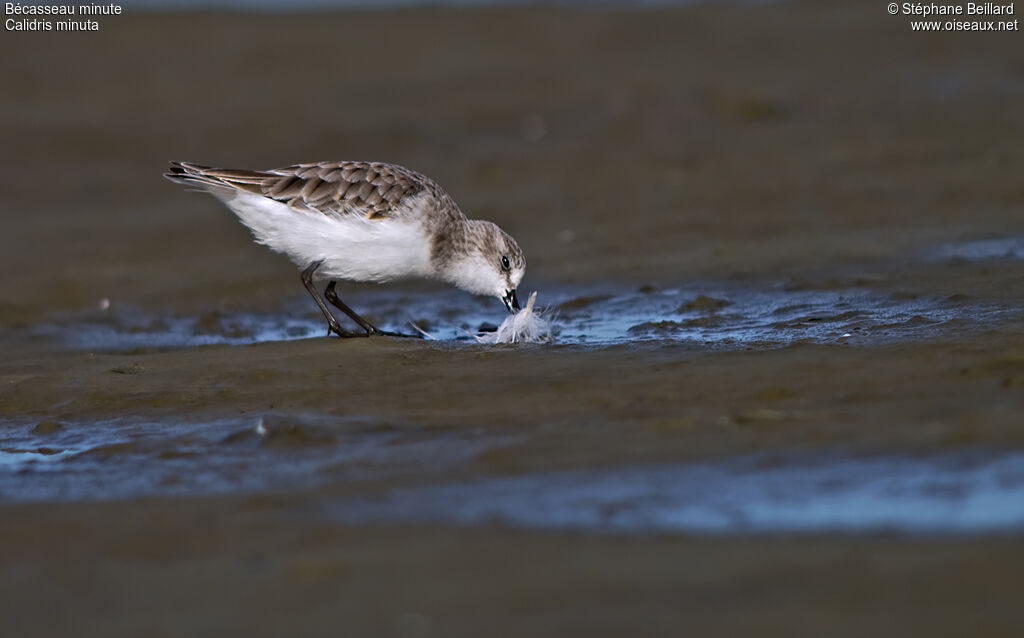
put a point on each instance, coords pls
(491, 264)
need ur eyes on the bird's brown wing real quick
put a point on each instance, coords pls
(376, 190)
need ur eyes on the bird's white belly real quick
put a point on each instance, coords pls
(351, 247)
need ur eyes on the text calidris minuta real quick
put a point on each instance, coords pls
(364, 221)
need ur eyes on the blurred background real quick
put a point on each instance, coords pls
(783, 241)
(668, 140)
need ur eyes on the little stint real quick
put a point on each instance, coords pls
(364, 221)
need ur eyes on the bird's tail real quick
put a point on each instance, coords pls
(209, 178)
(189, 174)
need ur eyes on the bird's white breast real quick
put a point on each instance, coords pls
(352, 247)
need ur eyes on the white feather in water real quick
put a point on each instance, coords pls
(525, 326)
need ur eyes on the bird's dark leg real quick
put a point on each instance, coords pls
(370, 329)
(332, 297)
(332, 322)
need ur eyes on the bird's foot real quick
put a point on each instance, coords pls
(374, 331)
(341, 332)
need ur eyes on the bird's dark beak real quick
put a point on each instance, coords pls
(511, 301)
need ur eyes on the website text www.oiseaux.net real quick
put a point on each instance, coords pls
(969, 16)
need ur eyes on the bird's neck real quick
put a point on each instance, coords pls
(450, 242)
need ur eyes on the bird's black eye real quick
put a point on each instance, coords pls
(504, 263)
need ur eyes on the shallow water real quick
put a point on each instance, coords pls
(132, 456)
(996, 248)
(963, 493)
(700, 315)
(967, 492)
(127, 458)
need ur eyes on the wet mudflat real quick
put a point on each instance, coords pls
(785, 392)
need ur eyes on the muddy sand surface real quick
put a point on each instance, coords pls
(783, 246)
